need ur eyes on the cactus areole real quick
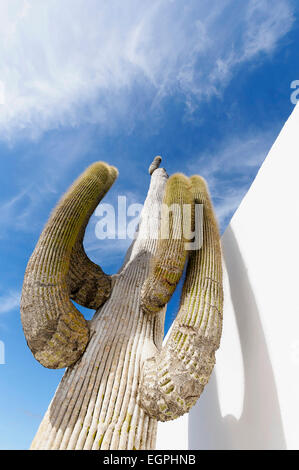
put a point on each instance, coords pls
(120, 381)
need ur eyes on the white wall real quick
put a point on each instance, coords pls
(252, 398)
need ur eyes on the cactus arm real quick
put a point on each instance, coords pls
(168, 263)
(56, 332)
(88, 285)
(173, 380)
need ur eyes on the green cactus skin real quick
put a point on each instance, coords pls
(56, 332)
(168, 264)
(88, 285)
(174, 379)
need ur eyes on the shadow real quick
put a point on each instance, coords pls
(260, 425)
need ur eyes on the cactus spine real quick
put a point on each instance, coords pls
(119, 382)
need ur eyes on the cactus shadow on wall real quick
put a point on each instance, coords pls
(260, 425)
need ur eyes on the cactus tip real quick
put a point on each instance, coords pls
(155, 164)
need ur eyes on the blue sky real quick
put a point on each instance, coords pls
(204, 84)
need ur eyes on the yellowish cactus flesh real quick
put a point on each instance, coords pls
(56, 332)
(88, 285)
(168, 263)
(174, 379)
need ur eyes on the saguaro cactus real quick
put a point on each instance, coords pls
(119, 380)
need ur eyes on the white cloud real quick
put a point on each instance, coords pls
(230, 169)
(266, 23)
(47, 172)
(234, 155)
(9, 301)
(64, 63)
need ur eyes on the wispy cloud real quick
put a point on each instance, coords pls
(46, 175)
(9, 301)
(260, 26)
(76, 61)
(266, 24)
(231, 168)
(11, 211)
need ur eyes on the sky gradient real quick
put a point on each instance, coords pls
(207, 85)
